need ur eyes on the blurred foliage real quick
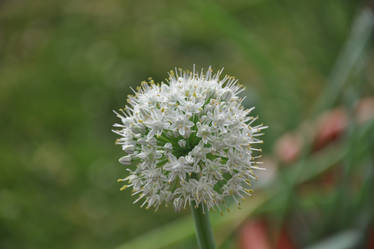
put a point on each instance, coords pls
(65, 65)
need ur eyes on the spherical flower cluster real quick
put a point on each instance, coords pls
(188, 141)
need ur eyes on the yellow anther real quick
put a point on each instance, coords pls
(123, 187)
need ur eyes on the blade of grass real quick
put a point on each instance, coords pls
(350, 55)
(345, 240)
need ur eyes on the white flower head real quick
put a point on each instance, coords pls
(188, 140)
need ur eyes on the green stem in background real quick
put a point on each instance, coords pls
(203, 229)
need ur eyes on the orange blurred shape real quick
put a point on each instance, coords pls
(287, 147)
(365, 110)
(253, 235)
(329, 127)
(371, 239)
(284, 240)
(330, 177)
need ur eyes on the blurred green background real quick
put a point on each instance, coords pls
(65, 65)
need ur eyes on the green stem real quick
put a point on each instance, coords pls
(204, 233)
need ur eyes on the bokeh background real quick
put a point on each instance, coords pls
(65, 65)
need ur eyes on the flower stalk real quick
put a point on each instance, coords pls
(204, 234)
